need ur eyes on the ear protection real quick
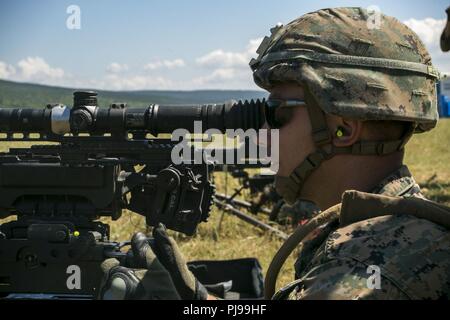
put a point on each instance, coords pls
(339, 132)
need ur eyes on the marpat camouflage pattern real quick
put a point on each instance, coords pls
(412, 254)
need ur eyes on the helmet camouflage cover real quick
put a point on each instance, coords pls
(353, 65)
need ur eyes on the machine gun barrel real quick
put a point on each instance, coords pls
(87, 117)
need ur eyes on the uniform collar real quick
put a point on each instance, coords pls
(398, 183)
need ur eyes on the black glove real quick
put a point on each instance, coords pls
(142, 277)
(145, 275)
(168, 253)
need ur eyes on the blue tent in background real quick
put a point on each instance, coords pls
(443, 91)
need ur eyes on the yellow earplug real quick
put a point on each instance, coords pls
(339, 133)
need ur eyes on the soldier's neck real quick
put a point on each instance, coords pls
(346, 172)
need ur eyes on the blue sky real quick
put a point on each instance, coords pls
(165, 44)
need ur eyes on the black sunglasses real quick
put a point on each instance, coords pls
(272, 105)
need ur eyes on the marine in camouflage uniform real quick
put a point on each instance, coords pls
(353, 69)
(412, 255)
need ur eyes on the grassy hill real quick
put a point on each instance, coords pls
(16, 94)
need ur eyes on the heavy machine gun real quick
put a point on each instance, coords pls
(260, 187)
(101, 161)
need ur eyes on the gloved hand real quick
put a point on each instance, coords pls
(168, 253)
(149, 276)
(141, 277)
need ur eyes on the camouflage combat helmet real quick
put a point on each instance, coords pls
(354, 64)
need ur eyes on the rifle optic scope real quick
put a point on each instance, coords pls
(86, 117)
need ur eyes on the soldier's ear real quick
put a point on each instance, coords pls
(345, 132)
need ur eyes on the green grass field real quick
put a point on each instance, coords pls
(427, 155)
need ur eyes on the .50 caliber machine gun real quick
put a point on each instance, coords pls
(102, 160)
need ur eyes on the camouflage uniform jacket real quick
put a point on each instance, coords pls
(412, 255)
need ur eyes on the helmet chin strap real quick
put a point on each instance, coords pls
(290, 187)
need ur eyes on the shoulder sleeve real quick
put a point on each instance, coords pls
(412, 257)
(343, 279)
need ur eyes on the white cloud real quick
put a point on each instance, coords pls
(6, 70)
(169, 64)
(230, 69)
(35, 68)
(252, 46)
(220, 58)
(115, 67)
(118, 76)
(225, 78)
(218, 75)
(429, 30)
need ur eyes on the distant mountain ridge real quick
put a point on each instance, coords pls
(17, 94)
